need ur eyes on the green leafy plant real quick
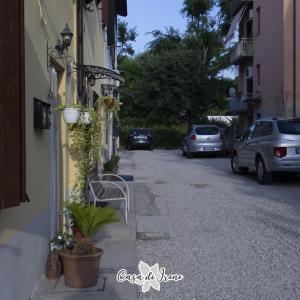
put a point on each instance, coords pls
(112, 164)
(89, 218)
(68, 105)
(86, 141)
(111, 103)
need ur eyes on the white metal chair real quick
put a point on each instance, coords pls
(114, 189)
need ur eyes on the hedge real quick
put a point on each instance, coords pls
(163, 137)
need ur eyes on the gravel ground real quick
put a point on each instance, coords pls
(230, 237)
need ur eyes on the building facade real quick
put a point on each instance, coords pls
(36, 166)
(267, 57)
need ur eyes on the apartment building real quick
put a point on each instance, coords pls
(267, 56)
(36, 164)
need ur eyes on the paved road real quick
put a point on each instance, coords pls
(230, 237)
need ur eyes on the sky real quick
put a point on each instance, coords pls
(148, 15)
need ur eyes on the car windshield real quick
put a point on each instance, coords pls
(140, 131)
(289, 127)
(208, 130)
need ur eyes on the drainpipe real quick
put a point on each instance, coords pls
(294, 59)
(80, 49)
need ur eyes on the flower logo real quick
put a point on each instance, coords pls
(150, 276)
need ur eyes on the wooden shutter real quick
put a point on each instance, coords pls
(12, 103)
(105, 12)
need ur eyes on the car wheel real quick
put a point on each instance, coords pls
(235, 165)
(189, 154)
(263, 176)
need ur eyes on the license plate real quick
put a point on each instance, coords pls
(208, 148)
(298, 150)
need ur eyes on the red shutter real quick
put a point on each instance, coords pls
(12, 118)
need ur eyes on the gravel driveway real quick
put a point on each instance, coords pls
(230, 237)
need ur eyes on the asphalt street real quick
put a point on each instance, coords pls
(230, 237)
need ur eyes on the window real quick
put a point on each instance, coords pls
(258, 75)
(289, 127)
(258, 21)
(263, 129)
(12, 105)
(209, 130)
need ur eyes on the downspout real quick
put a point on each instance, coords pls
(80, 49)
(294, 59)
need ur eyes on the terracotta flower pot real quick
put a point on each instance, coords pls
(81, 271)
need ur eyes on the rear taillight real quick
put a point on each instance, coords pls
(193, 137)
(279, 151)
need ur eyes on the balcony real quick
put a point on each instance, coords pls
(242, 51)
(236, 5)
(237, 105)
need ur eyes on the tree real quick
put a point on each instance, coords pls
(125, 37)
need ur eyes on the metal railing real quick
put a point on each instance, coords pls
(244, 48)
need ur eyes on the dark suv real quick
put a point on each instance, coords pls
(139, 138)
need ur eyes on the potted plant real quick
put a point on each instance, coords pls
(110, 102)
(81, 263)
(111, 165)
(71, 112)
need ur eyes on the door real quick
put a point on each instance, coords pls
(54, 153)
(243, 149)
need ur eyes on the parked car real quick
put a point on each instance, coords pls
(203, 139)
(270, 145)
(139, 138)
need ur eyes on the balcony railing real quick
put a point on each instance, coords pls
(242, 51)
(236, 5)
(237, 105)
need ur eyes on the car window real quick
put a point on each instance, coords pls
(262, 128)
(289, 127)
(208, 130)
(140, 131)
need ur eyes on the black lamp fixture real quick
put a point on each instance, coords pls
(66, 41)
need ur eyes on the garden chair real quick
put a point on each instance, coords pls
(109, 188)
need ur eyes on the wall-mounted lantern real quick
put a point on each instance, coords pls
(66, 41)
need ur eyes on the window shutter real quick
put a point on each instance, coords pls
(105, 12)
(12, 102)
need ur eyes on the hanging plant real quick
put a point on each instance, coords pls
(86, 141)
(110, 103)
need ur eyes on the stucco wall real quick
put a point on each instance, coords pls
(268, 53)
(25, 230)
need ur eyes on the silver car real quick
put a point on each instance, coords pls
(203, 139)
(270, 145)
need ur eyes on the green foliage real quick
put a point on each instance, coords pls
(89, 219)
(125, 37)
(111, 165)
(163, 136)
(86, 142)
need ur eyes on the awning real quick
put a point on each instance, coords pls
(234, 24)
(102, 73)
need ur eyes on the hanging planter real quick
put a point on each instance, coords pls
(111, 103)
(71, 115)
